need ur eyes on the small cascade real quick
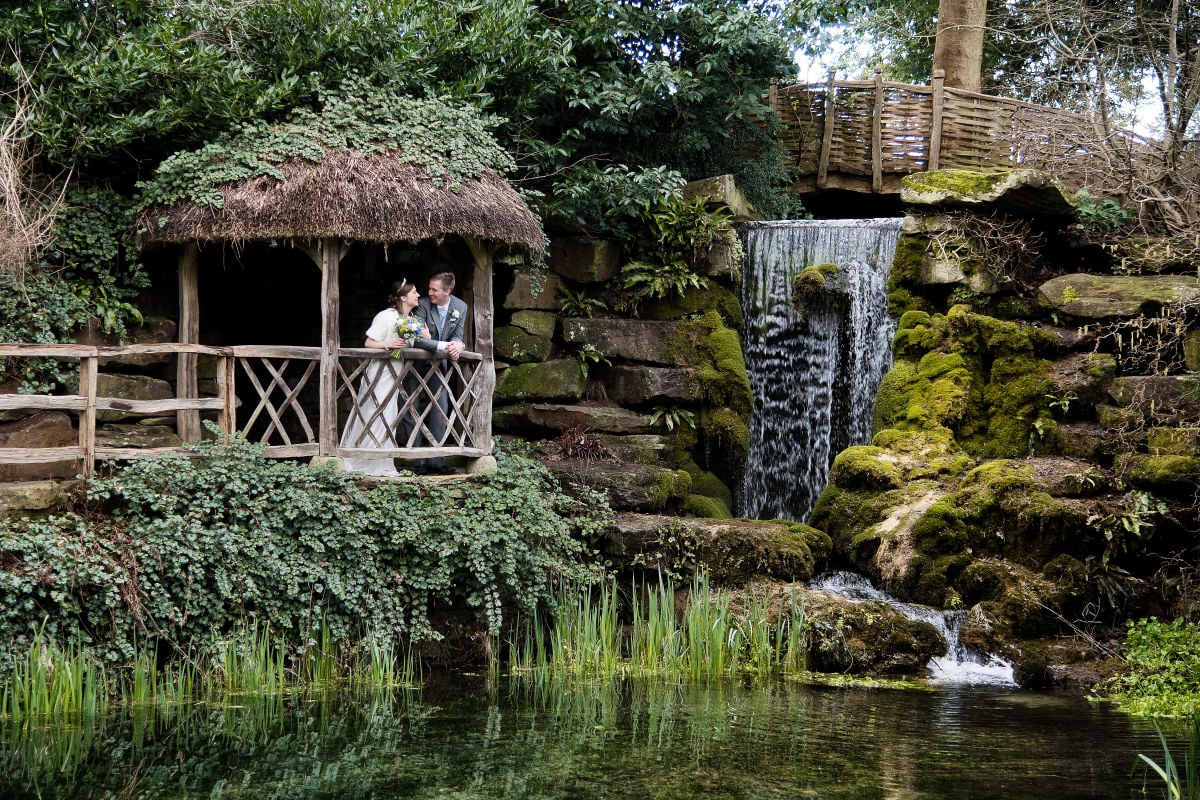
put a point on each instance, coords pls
(960, 665)
(813, 371)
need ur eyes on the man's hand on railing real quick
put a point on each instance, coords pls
(455, 349)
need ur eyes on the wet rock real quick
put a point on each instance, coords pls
(868, 638)
(1115, 296)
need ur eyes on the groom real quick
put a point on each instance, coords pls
(445, 315)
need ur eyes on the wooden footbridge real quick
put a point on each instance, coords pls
(864, 135)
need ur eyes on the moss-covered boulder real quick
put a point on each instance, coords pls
(521, 347)
(868, 638)
(732, 551)
(1023, 192)
(1163, 473)
(560, 379)
(1113, 296)
(1156, 399)
(536, 323)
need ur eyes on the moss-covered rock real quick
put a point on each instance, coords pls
(537, 323)
(1023, 192)
(693, 301)
(1112, 296)
(629, 487)
(698, 505)
(1173, 441)
(811, 283)
(732, 551)
(521, 347)
(1161, 472)
(865, 467)
(868, 638)
(560, 379)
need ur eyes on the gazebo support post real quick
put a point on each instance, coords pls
(480, 423)
(187, 385)
(331, 252)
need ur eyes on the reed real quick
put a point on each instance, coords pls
(54, 681)
(707, 639)
(1179, 784)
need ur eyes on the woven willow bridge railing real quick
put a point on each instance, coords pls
(865, 135)
(272, 395)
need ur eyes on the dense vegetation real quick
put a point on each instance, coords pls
(176, 553)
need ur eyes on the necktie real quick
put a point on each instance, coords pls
(442, 319)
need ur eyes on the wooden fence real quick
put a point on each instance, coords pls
(865, 135)
(273, 395)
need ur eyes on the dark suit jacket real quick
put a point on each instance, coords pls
(456, 318)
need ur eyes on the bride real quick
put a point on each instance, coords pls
(373, 417)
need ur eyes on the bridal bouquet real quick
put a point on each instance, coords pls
(409, 329)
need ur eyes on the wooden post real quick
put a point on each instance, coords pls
(330, 253)
(88, 370)
(187, 384)
(480, 423)
(773, 95)
(226, 371)
(826, 135)
(935, 125)
(877, 135)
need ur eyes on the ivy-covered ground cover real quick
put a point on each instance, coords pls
(176, 552)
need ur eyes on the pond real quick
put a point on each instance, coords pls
(776, 739)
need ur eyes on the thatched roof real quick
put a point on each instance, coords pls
(380, 198)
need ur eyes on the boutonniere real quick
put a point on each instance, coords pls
(454, 315)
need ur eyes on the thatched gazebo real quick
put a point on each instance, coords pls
(322, 208)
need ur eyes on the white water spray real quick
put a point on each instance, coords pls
(960, 665)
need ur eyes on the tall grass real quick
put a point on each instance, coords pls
(710, 637)
(1179, 784)
(56, 682)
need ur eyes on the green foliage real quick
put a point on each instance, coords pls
(673, 417)
(643, 281)
(612, 198)
(578, 304)
(589, 357)
(40, 309)
(198, 547)
(1163, 669)
(678, 230)
(1101, 216)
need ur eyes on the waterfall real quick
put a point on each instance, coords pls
(960, 665)
(814, 371)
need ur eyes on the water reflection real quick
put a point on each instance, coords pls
(636, 739)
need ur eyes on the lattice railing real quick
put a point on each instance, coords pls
(417, 406)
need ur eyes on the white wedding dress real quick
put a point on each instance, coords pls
(376, 388)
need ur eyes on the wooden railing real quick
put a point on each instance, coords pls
(866, 135)
(272, 395)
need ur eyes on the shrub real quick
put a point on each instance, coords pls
(185, 549)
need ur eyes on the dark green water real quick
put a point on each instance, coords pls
(779, 740)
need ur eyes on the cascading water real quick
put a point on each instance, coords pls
(959, 665)
(813, 370)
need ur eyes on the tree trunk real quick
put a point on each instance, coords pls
(958, 48)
